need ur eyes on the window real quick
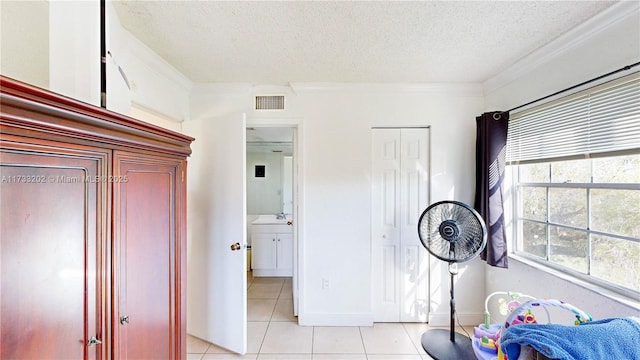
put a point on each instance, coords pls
(575, 170)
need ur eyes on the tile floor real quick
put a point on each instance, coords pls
(273, 333)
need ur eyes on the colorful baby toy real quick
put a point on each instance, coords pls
(486, 342)
(514, 317)
(487, 336)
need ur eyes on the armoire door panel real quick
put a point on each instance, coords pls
(53, 251)
(145, 319)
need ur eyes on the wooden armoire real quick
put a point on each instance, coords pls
(92, 231)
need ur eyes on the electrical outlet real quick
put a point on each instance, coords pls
(325, 283)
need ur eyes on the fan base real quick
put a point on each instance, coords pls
(437, 343)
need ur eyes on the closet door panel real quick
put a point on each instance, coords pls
(400, 192)
(53, 252)
(147, 253)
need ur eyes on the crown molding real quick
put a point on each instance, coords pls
(156, 63)
(238, 88)
(457, 89)
(581, 33)
(452, 89)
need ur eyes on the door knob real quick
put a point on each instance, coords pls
(235, 247)
(124, 319)
(94, 341)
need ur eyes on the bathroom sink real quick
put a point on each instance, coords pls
(271, 220)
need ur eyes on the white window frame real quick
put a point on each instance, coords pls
(523, 155)
(545, 263)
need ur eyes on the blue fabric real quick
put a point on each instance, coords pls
(615, 338)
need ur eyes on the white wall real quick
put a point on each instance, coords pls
(335, 219)
(24, 34)
(118, 57)
(155, 118)
(74, 49)
(41, 46)
(603, 44)
(156, 93)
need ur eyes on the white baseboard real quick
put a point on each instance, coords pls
(322, 319)
(366, 319)
(273, 272)
(466, 319)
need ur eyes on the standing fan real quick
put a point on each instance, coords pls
(452, 232)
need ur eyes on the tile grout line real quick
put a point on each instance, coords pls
(270, 321)
(412, 340)
(364, 347)
(313, 335)
(264, 337)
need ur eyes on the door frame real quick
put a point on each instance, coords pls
(298, 213)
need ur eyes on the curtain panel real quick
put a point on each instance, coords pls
(491, 148)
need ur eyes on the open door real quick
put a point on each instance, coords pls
(216, 254)
(296, 225)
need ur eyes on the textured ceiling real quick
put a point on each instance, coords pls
(343, 41)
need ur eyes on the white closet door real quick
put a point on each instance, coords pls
(414, 198)
(385, 218)
(399, 195)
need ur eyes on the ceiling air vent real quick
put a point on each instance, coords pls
(270, 102)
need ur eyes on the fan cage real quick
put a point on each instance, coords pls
(459, 244)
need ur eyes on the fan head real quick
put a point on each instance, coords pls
(452, 231)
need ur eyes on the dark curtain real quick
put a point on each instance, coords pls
(491, 149)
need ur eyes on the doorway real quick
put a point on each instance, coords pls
(217, 261)
(272, 184)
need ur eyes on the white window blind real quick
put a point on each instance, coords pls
(599, 120)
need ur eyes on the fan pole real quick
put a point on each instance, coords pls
(448, 345)
(452, 304)
(440, 228)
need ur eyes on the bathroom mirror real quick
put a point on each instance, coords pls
(269, 171)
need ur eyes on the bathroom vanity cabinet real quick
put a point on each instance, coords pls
(272, 250)
(93, 231)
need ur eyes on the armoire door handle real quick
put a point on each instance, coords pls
(94, 341)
